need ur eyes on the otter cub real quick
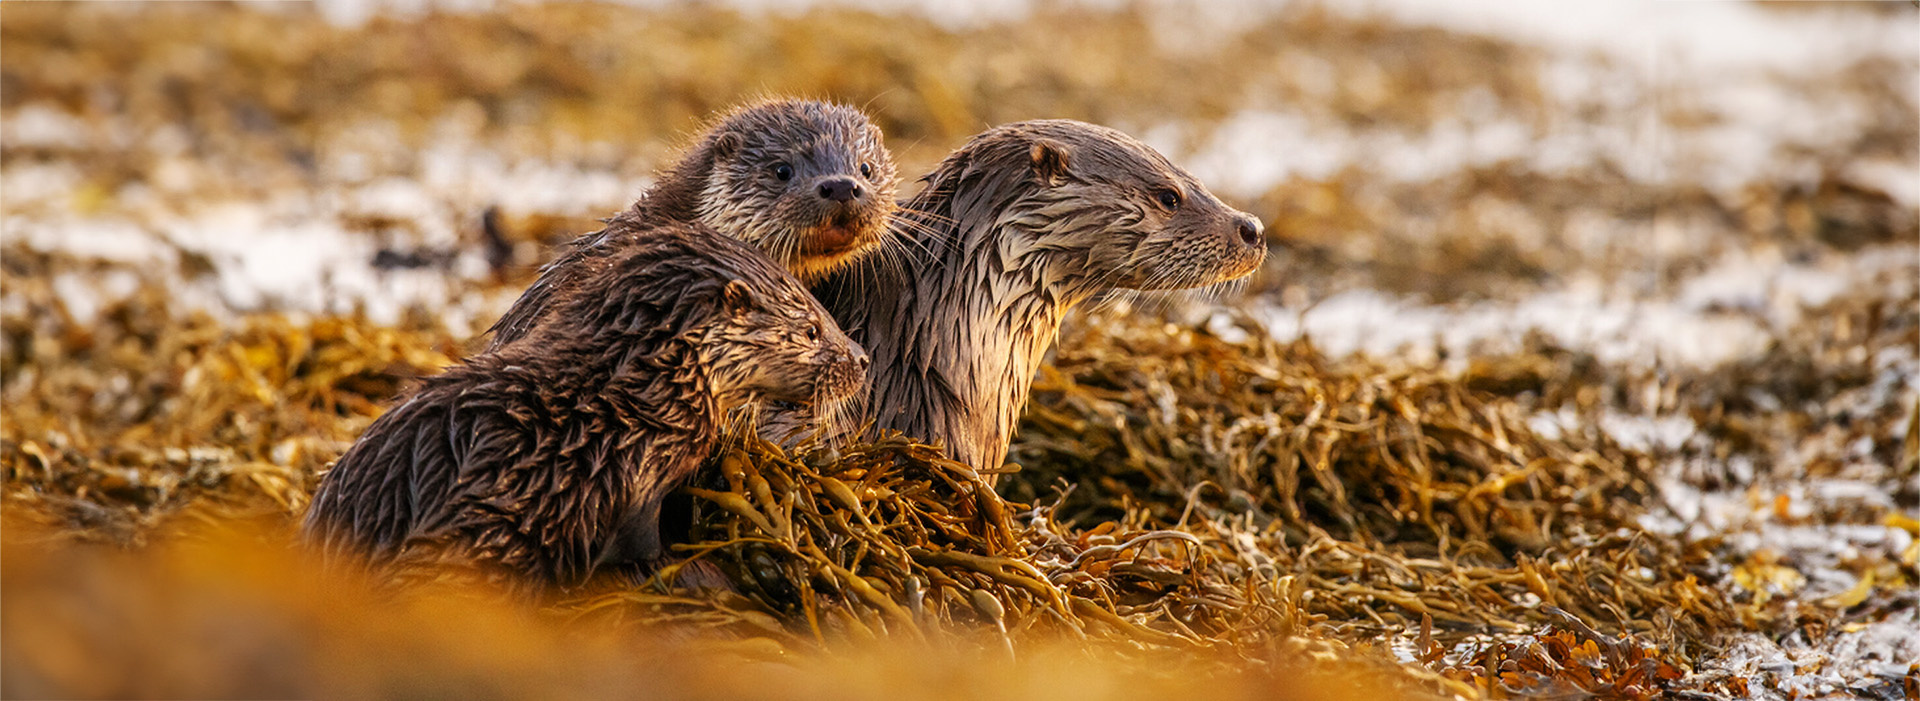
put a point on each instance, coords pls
(1012, 230)
(808, 183)
(548, 458)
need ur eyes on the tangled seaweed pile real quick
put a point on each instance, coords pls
(1238, 498)
(1200, 504)
(122, 426)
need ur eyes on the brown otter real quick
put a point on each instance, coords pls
(1011, 231)
(809, 183)
(548, 458)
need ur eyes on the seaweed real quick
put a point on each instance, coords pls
(1192, 503)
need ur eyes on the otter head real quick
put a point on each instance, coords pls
(773, 341)
(1095, 209)
(809, 183)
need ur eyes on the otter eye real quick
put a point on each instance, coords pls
(783, 171)
(813, 332)
(1169, 199)
(866, 170)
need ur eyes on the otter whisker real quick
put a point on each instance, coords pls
(864, 279)
(1234, 289)
(1112, 298)
(920, 237)
(935, 216)
(894, 253)
(930, 227)
(837, 421)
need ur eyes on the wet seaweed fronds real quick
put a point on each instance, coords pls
(891, 541)
(1387, 494)
(117, 423)
(1566, 664)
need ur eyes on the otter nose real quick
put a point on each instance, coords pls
(1250, 231)
(860, 358)
(840, 189)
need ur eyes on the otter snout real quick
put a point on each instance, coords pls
(847, 374)
(839, 188)
(855, 362)
(1251, 232)
(1247, 245)
(848, 216)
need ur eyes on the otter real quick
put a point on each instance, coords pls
(547, 459)
(809, 183)
(1010, 232)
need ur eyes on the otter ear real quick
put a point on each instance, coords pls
(726, 144)
(738, 298)
(1049, 161)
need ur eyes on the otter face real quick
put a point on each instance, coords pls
(809, 183)
(782, 345)
(1111, 212)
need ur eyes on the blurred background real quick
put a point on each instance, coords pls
(1689, 229)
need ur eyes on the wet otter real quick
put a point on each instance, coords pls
(1011, 231)
(548, 458)
(808, 183)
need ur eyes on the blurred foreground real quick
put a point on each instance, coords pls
(225, 614)
(1587, 367)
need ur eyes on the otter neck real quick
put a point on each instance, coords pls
(955, 351)
(675, 195)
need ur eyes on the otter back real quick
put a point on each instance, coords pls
(547, 459)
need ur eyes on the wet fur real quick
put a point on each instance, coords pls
(725, 181)
(548, 459)
(1011, 232)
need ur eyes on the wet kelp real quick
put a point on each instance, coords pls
(1407, 465)
(1185, 491)
(1199, 507)
(118, 423)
